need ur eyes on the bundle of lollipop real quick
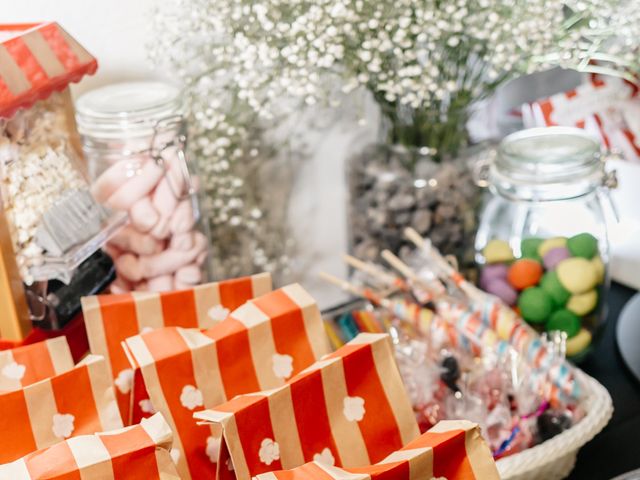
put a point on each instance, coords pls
(463, 353)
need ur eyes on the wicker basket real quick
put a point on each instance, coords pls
(555, 458)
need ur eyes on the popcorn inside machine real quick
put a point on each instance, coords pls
(51, 227)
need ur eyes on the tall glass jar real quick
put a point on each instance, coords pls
(134, 139)
(392, 187)
(542, 239)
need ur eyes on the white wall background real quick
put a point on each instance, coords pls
(114, 31)
(117, 32)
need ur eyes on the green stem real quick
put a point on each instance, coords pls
(444, 131)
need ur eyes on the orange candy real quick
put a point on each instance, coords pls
(524, 273)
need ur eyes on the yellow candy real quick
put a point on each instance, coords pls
(578, 343)
(497, 251)
(506, 320)
(551, 243)
(577, 274)
(599, 267)
(583, 303)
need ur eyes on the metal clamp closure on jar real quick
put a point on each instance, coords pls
(179, 141)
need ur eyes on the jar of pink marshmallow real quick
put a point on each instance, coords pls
(134, 138)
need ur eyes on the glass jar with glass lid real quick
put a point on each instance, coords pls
(134, 138)
(542, 240)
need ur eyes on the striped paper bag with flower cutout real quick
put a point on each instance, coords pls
(79, 401)
(260, 346)
(452, 450)
(140, 451)
(28, 364)
(110, 319)
(349, 409)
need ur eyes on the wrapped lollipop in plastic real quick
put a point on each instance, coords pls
(463, 354)
(484, 311)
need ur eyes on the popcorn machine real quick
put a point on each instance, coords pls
(51, 227)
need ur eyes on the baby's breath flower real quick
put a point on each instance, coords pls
(248, 63)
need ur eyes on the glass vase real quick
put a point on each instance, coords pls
(392, 187)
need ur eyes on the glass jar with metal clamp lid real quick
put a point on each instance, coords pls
(542, 241)
(134, 138)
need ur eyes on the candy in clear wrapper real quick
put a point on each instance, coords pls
(464, 354)
(552, 423)
(419, 376)
(450, 372)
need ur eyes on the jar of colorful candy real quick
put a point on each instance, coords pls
(542, 240)
(134, 138)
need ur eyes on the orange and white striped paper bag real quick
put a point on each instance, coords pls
(110, 319)
(28, 364)
(349, 409)
(452, 450)
(259, 346)
(80, 401)
(137, 452)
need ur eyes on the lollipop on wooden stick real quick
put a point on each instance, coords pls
(405, 310)
(493, 314)
(377, 273)
(425, 290)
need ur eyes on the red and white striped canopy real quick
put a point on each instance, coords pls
(36, 60)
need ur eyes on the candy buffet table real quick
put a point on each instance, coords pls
(615, 450)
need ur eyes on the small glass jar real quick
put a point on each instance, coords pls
(134, 139)
(542, 239)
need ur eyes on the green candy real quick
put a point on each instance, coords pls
(552, 286)
(535, 304)
(529, 248)
(583, 245)
(565, 321)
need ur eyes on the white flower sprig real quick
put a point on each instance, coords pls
(248, 63)
(411, 53)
